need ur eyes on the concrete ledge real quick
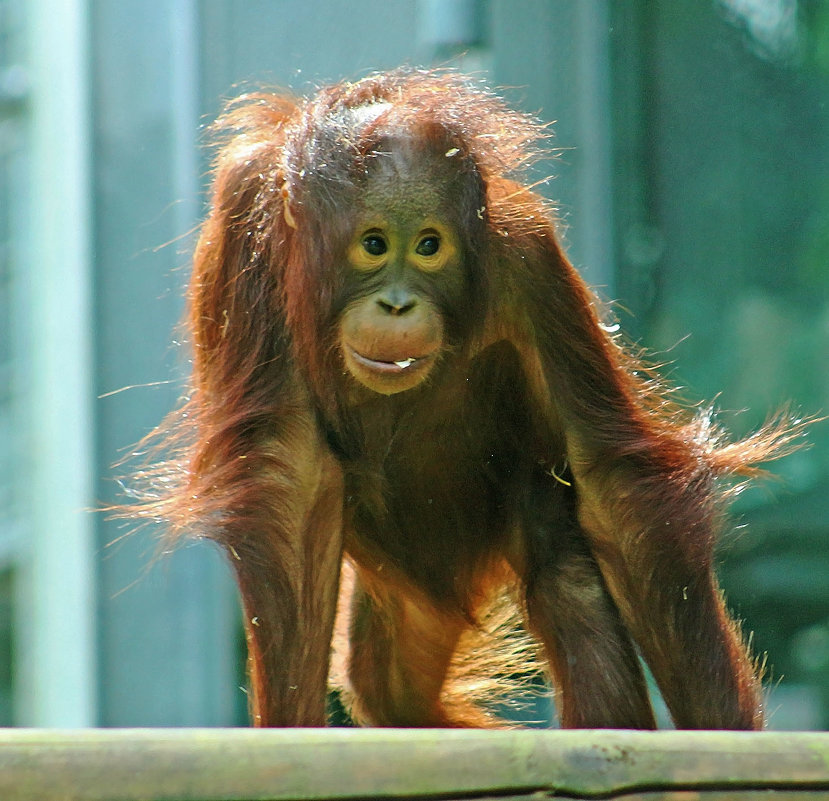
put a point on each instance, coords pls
(279, 764)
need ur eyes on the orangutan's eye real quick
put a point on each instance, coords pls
(374, 245)
(428, 246)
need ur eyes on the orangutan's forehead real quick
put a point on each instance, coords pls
(387, 164)
(403, 176)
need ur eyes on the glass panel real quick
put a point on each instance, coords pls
(6, 648)
(7, 139)
(12, 94)
(723, 160)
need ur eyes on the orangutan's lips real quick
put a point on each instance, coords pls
(389, 367)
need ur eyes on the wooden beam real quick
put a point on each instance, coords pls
(251, 765)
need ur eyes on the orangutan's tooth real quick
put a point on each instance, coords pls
(404, 363)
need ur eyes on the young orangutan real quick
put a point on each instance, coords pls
(395, 364)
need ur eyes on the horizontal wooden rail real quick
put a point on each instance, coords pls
(280, 764)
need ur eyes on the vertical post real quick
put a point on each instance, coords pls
(595, 176)
(556, 56)
(57, 629)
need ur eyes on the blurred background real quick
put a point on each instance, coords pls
(693, 177)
